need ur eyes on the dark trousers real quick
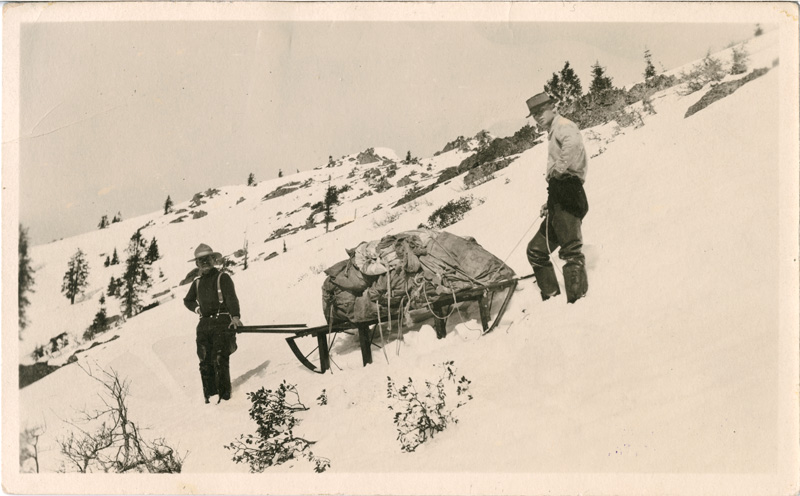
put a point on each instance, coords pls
(560, 229)
(214, 348)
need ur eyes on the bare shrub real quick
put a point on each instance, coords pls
(29, 447)
(110, 441)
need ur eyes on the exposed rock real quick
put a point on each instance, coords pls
(368, 156)
(282, 190)
(405, 181)
(722, 90)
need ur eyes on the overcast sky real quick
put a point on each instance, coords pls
(116, 116)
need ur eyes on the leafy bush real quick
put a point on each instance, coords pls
(419, 415)
(275, 442)
(450, 213)
(708, 70)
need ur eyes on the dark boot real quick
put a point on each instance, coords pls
(223, 376)
(575, 282)
(546, 279)
(207, 375)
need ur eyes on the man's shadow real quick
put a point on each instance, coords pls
(249, 374)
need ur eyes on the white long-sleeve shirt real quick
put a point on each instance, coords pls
(565, 151)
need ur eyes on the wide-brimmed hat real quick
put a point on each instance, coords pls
(537, 101)
(203, 250)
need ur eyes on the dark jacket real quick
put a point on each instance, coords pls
(205, 291)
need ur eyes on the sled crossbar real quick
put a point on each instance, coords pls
(481, 295)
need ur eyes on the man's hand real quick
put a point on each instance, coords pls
(543, 211)
(197, 311)
(235, 323)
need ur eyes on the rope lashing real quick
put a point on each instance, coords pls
(380, 330)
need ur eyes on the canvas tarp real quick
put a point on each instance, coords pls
(409, 270)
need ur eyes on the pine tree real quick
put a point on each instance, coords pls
(103, 222)
(245, 255)
(25, 279)
(136, 279)
(107, 262)
(284, 246)
(564, 87)
(115, 258)
(168, 205)
(331, 200)
(331, 163)
(650, 69)
(554, 88)
(408, 157)
(152, 252)
(251, 179)
(280, 172)
(117, 218)
(759, 31)
(75, 278)
(600, 82)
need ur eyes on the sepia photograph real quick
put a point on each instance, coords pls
(390, 248)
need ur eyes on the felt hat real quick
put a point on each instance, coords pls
(204, 250)
(537, 101)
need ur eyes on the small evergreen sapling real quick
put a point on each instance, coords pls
(649, 69)
(152, 252)
(168, 205)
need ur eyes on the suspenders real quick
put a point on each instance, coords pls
(219, 292)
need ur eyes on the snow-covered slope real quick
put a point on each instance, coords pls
(645, 374)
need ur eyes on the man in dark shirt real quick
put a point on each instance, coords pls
(213, 297)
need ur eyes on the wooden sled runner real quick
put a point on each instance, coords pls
(320, 339)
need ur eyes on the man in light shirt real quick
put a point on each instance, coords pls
(566, 204)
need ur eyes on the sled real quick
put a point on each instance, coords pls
(312, 345)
